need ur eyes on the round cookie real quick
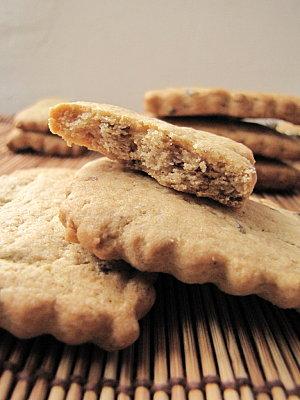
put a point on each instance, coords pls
(51, 286)
(208, 101)
(119, 214)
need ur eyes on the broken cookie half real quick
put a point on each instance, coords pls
(184, 159)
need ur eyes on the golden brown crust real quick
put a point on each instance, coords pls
(206, 101)
(44, 143)
(35, 117)
(261, 140)
(181, 158)
(51, 286)
(274, 175)
(120, 214)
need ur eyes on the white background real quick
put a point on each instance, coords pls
(112, 51)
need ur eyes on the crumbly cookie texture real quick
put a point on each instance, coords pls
(19, 140)
(51, 286)
(120, 214)
(207, 101)
(261, 140)
(181, 158)
(275, 175)
(35, 117)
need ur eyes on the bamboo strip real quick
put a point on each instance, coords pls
(110, 376)
(193, 373)
(223, 361)
(265, 356)
(282, 370)
(143, 376)
(289, 333)
(235, 355)
(177, 378)
(288, 360)
(78, 376)
(161, 378)
(94, 375)
(46, 371)
(126, 373)
(62, 376)
(207, 361)
(9, 164)
(12, 365)
(248, 350)
(24, 377)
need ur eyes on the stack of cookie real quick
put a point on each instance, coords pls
(79, 249)
(245, 117)
(31, 132)
(206, 230)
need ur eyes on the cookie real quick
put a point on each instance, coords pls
(117, 213)
(288, 129)
(51, 286)
(19, 140)
(203, 101)
(181, 158)
(35, 117)
(275, 175)
(260, 139)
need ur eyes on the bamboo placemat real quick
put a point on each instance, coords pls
(197, 343)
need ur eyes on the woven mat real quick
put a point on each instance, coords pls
(197, 343)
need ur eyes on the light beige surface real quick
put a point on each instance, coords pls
(181, 158)
(51, 286)
(120, 214)
(113, 51)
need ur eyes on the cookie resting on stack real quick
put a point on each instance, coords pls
(245, 118)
